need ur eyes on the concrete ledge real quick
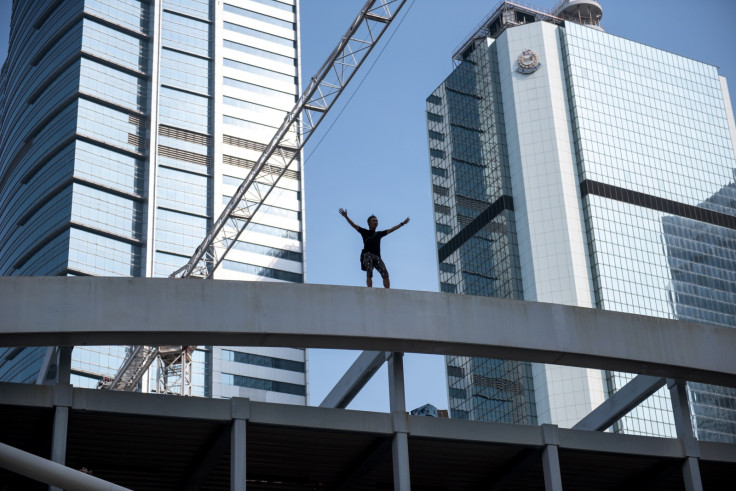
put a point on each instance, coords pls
(43, 311)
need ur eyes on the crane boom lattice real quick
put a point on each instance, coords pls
(285, 146)
(298, 126)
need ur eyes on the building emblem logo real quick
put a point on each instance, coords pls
(528, 62)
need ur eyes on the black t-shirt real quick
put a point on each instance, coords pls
(372, 240)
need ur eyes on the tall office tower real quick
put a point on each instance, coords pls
(126, 126)
(573, 166)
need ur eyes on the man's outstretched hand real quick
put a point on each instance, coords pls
(344, 212)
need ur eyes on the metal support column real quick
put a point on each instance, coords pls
(551, 458)
(400, 419)
(62, 403)
(241, 413)
(65, 365)
(684, 427)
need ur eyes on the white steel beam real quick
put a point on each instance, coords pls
(355, 378)
(46, 471)
(620, 403)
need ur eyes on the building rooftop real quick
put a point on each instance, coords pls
(515, 13)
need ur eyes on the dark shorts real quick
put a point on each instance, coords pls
(371, 261)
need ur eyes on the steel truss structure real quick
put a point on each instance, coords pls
(298, 126)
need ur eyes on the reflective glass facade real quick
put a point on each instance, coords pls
(476, 240)
(121, 141)
(620, 197)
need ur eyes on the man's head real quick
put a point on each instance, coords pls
(372, 222)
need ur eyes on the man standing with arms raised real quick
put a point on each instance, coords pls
(370, 256)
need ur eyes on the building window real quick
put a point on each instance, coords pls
(263, 361)
(276, 274)
(445, 210)
(439, 171)
(433, 152)
(457, 393)
(263, 384)
(444, 229)
(448, 288)
(440, 190)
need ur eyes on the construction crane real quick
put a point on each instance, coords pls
(174, 362)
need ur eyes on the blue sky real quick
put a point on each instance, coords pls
(373, 158)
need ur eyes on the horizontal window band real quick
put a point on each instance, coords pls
(138, 118)
(463, 93)
(259, 147)
(658, 204)
(263, 384)
(185, 213)
(61, 68)
(188, 16)
(266, 170)
(496, 208)
(176, 88)
(182, 51)
(109, 146)
(183, 155)
(465, 127)
(45, 16)
(60, 33)
(50, 195)
(263, 361)
(117, 27)
(27, 145)
(53, 234)
(185, 135)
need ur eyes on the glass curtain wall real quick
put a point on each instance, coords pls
(476, 241)
(656, 163)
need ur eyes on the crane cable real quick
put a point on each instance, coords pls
(357, 88)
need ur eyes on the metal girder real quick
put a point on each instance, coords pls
(620, 403)
(40, 469)
(298, 126)
(132, 369)
(175, 370)
(355, 378)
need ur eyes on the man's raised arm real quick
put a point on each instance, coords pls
(345, 214)
(396, 227)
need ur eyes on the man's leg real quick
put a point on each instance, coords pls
(369, 264)
(381, 267)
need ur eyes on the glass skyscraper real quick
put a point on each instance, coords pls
(573, 166)
(126, 126)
